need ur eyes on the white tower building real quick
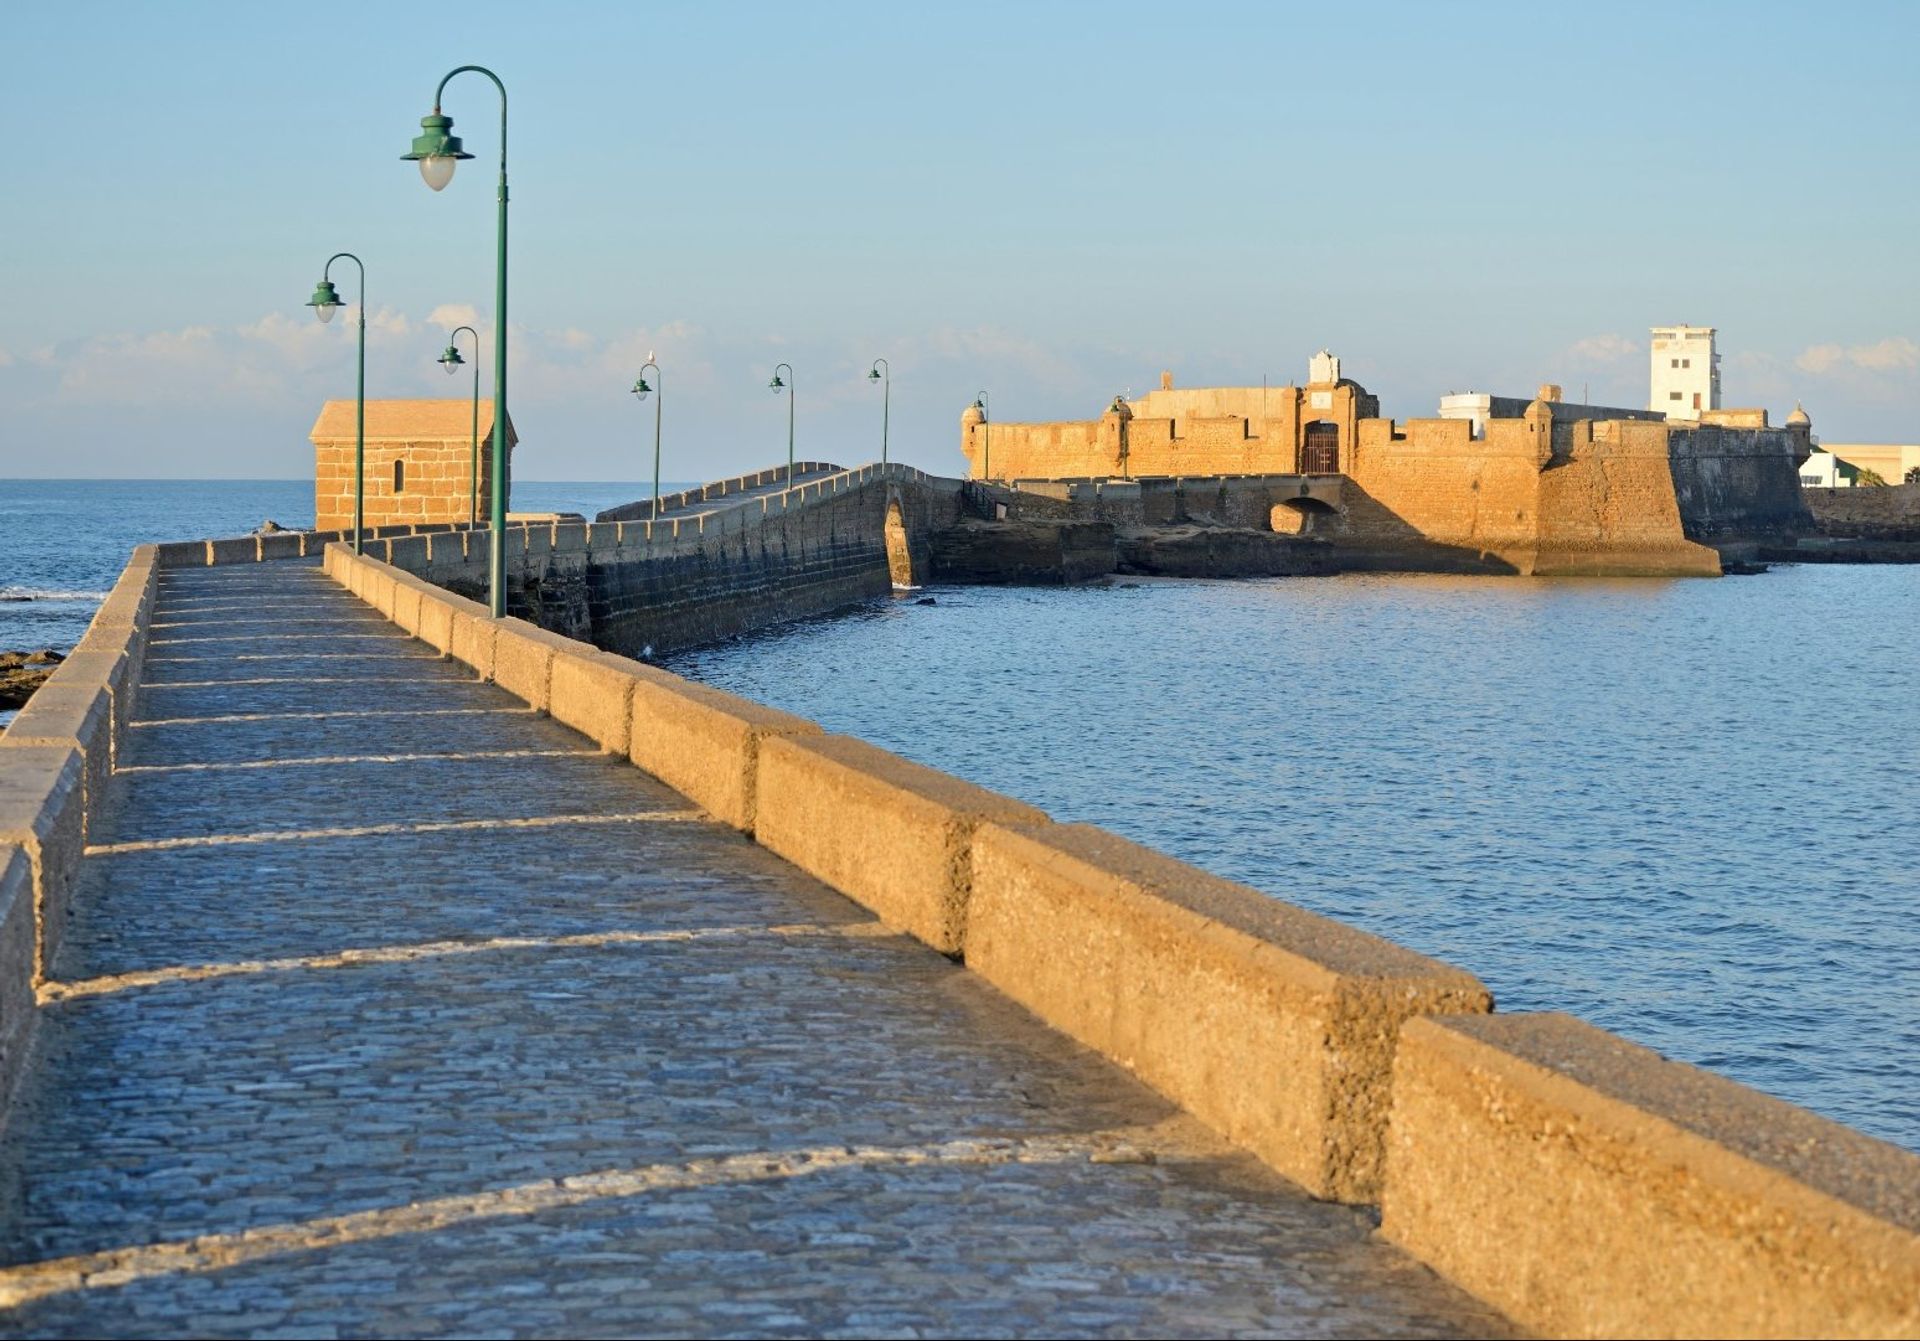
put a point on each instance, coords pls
(1686, 372)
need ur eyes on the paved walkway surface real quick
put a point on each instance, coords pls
(391, 1009)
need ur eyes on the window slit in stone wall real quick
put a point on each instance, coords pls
(399, 476)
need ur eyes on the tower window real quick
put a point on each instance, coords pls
(399, 476)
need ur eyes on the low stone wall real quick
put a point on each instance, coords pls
(1547, 1166)
(644, 588)
(1891, 513)
(55, 762)
(260, 548)
(1590, 1187)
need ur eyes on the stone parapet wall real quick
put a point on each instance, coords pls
(1590, 1187)
(643, 587)
(1584, 1185)
(716, 491)
(56, 760)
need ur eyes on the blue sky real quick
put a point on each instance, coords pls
(1049, 202)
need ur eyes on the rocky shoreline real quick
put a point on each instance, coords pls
(23, 672)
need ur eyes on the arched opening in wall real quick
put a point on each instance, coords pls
(899, 548)
(1303, 516)
(1320, 449)
(399, 476)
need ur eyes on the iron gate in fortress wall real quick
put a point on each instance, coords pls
(1320, 449)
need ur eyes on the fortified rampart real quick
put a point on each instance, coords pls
(1582, 1184)
(1550, 490)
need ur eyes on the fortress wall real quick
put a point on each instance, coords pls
(1583, 1184)
(55, 761)
(1740, 483)
(1197, 446)
(1037, 450)
(1608, 506)
(1428, 485)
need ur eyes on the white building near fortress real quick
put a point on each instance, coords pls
(1686, 372)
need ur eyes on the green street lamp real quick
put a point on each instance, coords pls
(450, 361)
(325, 302)
(641, 390)
(882, 373)
(437, 150)
(777, 386)
(986, 431)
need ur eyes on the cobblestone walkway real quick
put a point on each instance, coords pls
(391, 1009)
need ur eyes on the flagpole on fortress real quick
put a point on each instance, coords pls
(437, 150)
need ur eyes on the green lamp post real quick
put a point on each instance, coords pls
(777, 386)
(325, 302)
(437, 150)
(882, 373)
(986, 434)
(451, 360)
(641, 390)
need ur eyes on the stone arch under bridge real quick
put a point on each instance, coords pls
(902, 568)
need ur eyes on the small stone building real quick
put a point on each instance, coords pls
(419, 462)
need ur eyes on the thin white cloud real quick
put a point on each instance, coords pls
(1604, 349)
(448, 316)
(1896, 353)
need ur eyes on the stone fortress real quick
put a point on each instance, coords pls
(1493, 483)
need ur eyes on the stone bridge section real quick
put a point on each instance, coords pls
(390, 1005)
(374, 992)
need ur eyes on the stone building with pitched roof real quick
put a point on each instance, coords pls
(419, 462)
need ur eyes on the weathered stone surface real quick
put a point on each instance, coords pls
(1591, 1187)
(74, 711)
(429, 1029)
(592, 692)
(18, 1015)
(1274, 1025)
(892, 835)
(706, 744)
(1036, 550)
(523, 660)
(1220, 551)
(42, 794)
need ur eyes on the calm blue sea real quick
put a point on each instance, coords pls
(1685, 811)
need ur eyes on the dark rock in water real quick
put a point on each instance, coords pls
(926, 600)
(15, 598)
(1129, 586)
(23, 672)
(268, 527)
(1734, 568)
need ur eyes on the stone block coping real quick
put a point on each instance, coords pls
(1591, 1187)
(895, 836)
(1274, 1025)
